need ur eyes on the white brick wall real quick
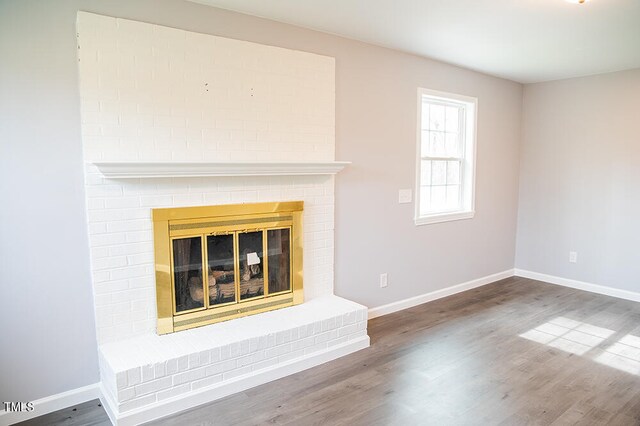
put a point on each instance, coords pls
(157, 93)
(151, 93)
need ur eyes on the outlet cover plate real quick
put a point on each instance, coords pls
(384, 280)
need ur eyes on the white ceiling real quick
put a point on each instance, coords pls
(522, 40)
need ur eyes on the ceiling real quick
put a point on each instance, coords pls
(521, 40)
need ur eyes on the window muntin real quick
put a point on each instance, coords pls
(446, 136)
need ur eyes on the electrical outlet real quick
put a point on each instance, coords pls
(573, 257)
(404, 196)
(384, 280)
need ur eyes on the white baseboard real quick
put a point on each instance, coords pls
(52, 403)
(229, 387)
(438, 294)
(108, 403)
(579, 285)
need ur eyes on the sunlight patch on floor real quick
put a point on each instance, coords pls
(568, 335)
(622, 355)
(581, 338)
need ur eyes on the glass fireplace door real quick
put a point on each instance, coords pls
(251, 262)
(215, 263)
(187, 274)
(236, 267)
(221, 269)
(279, 260)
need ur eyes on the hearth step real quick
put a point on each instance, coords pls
(152, 375)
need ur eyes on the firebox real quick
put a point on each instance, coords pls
(216, 263)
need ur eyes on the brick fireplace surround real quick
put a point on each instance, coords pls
(156, 95)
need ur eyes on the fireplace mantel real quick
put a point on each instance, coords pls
(173, 169)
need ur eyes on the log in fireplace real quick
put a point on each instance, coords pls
(216, 263)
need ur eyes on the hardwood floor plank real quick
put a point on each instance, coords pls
(515, 352)
(89, 413)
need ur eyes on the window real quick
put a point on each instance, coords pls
(446, 157)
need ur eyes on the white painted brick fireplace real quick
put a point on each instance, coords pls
(157, 94)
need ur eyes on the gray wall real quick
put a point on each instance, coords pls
(376, 129)
(47, 337)
(47, 316)
(580, 175)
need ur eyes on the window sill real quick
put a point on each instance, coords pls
(444, 217)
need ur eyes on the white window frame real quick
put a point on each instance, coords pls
(468, 165)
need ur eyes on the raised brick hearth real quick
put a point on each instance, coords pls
(194, 366)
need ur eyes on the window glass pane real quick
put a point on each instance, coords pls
(433, 144)
(439, 173)
(222, 286)
(453, 172)
(425, 143)
(452, 145)
(187, 273)
(452, 123)
(425, 172)
(436, 146)
(438, 198)
(279, 252)
(453, 197)
(436, 117)
(251, 261)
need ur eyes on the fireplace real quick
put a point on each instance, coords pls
(216, 263)
(207, 121)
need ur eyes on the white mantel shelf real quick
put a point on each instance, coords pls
(169, 169)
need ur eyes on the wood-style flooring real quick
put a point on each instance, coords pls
(514, 352)
(88, 413)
